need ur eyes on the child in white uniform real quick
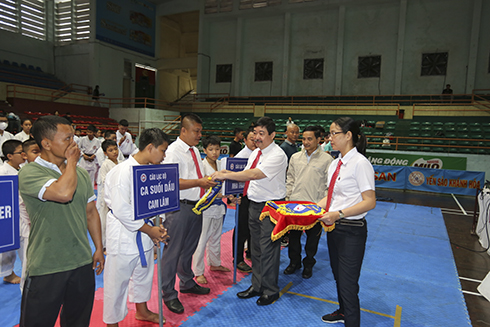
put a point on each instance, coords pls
(212, 218)
(88, 146)
(124, 271)
(12, 151)
(111, 151)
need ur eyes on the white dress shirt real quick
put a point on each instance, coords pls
(178, 152)
(244, 153)
(273, 163)
(356, 175)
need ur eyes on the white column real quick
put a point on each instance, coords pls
(475, 34)
(400, 47)
(286, 50)
(340, 51)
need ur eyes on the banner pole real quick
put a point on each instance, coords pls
(235, 250)
(159, 269)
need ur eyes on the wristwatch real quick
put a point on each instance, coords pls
(341, 214)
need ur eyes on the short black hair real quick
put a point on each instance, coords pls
(192, 117)
(248, 131)
(211, 140)
(318, 130)
(237, 130)
(268, 123)
(46, 127)
(26, 119)
(153, 136)
(9, 146)
(124, 122)
(108, 133)
(108, 143)
(27, 144)
(92, 128)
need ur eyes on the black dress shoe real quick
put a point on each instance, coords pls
(174, 305)
(307, 272)
(196, 289)
(267, 299)
(250, 292)
(291, 269)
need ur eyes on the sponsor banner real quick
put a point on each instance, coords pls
(390, 176)
(419, 160)
(9, 213)
(234, 164)
(155, 190)
(444, 181)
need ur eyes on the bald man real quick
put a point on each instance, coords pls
(289, 145)
(184, 225)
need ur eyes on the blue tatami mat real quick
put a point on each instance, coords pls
(408, 263)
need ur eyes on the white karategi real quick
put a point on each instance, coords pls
(127, 147)
(107, 165)
(101, 157)
(7, 259)
(123, 272)
(4, 137)
(212, 225)
(89, 147)
(22, 136)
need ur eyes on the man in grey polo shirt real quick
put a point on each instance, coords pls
(265, 177)
(184, 225)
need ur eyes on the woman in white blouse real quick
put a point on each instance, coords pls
(351, 195)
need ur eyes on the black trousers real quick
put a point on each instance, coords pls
(243, 230)
(43, 296)
(311, 247)
(346, 246)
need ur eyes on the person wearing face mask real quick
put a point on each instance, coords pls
(4, 135)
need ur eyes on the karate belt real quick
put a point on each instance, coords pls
(293, 215)
(139, 243)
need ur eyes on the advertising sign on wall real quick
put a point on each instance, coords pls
(417, 160)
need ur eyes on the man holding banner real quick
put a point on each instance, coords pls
(265, 177)
(184, 225)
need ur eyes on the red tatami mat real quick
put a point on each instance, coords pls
(219, 282)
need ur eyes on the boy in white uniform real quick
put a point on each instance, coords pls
(30, 151)
(100, 156)
(212, 218)
(124, 139)
(124, 264)
(4, 135)
(12, 150)
(88, 146)
(111, 152)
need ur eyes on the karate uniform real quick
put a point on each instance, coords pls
(89, 147)
(123, 272)
(107, 165)
(127, 147)
(22, 136)
(212, 225)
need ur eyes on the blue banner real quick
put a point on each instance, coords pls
(428, 179)
(234, 164)
(444, 181)
(9, 213)
(127, 23)
(155, 190)
(390, 176)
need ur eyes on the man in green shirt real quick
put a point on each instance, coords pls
(59, 199)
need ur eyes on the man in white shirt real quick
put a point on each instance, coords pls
(124, 140)
(4, 135)
(26, 130)
(307, 181)
(183, 225)
(265, 176)
(89, 145)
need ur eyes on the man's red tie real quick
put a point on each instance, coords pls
(199, 174)
(254, 164)
(332, 184)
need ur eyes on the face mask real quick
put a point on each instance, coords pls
(3, 125)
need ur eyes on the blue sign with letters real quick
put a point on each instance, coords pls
(9, 213)
(155, 189)
(234, 164)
